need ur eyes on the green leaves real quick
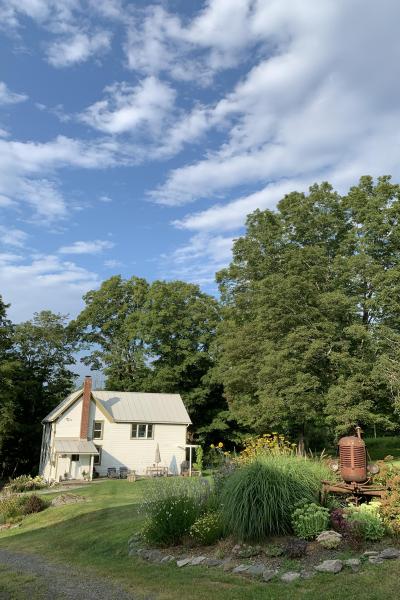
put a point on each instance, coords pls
(311, 301)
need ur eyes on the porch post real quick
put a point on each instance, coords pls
(190, 461)
(91, 467)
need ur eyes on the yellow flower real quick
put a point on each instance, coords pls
(212, 446)
(220, 445)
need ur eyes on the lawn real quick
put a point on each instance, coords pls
(94, 535)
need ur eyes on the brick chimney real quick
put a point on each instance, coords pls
(87, 390)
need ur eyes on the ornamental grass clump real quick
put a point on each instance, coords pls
(258, 499)
(171, 509)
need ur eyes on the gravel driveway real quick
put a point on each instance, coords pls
(62, 582)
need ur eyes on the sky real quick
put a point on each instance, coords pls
(135, 137)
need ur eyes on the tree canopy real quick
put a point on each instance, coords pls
(156, 338)
(310, 331)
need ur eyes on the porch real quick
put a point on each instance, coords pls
(74, 459)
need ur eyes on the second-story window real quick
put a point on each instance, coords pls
(98, 430)
(142, 431)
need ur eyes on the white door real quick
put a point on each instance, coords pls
(75, 469)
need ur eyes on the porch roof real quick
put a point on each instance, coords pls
(74, 446)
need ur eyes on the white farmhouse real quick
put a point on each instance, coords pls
(100, 430)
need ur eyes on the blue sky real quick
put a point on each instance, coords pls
(135, 137)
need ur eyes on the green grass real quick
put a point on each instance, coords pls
(18, 586)
(94, 535)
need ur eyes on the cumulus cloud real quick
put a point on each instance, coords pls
(127, 108)
(77, 47)
(87, 247)
(9, 97)
(52, 283)
(26, 169)
(10, 236)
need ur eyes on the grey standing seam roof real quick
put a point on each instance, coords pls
(74, 446)
(143, 407)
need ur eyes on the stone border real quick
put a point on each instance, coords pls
(260, 571)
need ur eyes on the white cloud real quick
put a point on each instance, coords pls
(87, 247)
(9, 97)
(77, 47)
(309, 109)
(25, 168)
(10, 236)
(111, 264)
(53, 284)
(127, 108)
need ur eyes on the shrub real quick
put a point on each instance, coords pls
(258, 499)
(309, 521)
(10, 507)
(369, 520)
(26, 483)
(207, 529)
(34, 504)
(198, 465)
(171, 509)
(350, 530)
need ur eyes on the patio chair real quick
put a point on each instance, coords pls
(112, 472)
(123, 472)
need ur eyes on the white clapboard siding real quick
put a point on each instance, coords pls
(119, 450)
(68, 425)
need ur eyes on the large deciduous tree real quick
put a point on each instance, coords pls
(156, 338)
(310, 331)
(35, 377)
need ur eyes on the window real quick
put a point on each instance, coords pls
(142, 431)
(74, 457)
(98, 430)
(97, 459)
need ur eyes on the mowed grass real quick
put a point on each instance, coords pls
(94, 535)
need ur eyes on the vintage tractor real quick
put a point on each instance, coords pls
(355, 471)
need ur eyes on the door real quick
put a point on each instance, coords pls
(75, 466)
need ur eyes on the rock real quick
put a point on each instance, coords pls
(307, 574)
(240, 569)
(183, 562)
(353, 563)
(228, 565)
(236, 548)
(212, 562)
(329, 539)
(369, 553)
(197, 560)
(290, 576)
(389, 553)
(155, 555)
(143, 553)
(269, 574)
(255, 571)
(167, 559)
(133, 552)
(330, 566)
(375, 560)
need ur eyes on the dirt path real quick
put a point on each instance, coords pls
(61, 582)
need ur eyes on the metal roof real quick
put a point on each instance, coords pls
(64, 404)
(74, 446)
(143, 407)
